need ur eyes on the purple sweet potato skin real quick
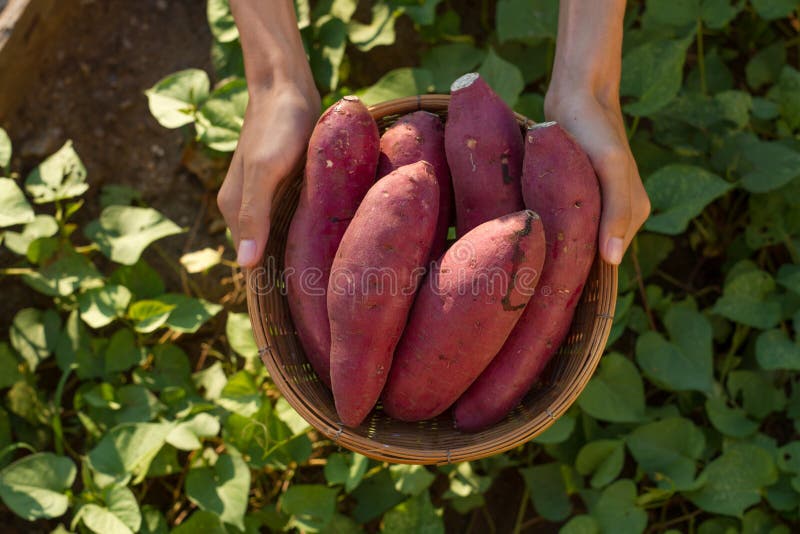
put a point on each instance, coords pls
(419, 136)
(340, 167)
(484, 149)
(375, 275)
(463, 313)
(559, 183)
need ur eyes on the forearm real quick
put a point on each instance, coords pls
(271, 44)
(588, 54)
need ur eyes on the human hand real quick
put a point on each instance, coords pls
(277, 124)
(599, 129)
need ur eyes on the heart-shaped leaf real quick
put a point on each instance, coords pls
(615, 392)
(685, 363)
(34, 487)
(774, 350)
(221, 488)
(668, 448)
(123, 232)
(59, 177)
(14, 207)
(173, 100)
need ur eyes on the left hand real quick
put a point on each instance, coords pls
(599, 128)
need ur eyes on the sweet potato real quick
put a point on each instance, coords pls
(484, 149)
(374, 278)
(419, 136)
(463, 314)
(558, 181)
(340, 168)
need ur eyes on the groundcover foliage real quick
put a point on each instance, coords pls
(113, 420)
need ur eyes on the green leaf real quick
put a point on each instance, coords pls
(221, 488)
(616, 510)
(201, 522)
(678, 194)
(730, 421)
(123, 232)
(141, 279)
(27, 402)
(684, 364)
(311, 505)
(220, 119)
(603, 459)
(122, 352)
(653, 83)
(212, 379)
(65, 276)
(240, 395)
(789, 457)
(153, 521)
(398, 83)
(328, 51)
(121, 513)
(346, 469)
(449, 61)
(14, 207)
(774, 9)
(379, 32)
(548, 490)
(615, 393)
(718, 13)
(100, 306)
(375, 495)
(170, 369)
(220, 20)
(789, 97)
(186, 434)
(422, 12)
(668, 451)
(5, 149)
(149, 315)
(174, 99)
(40, 226)
(34, 487)
(34, 334)
(771, 165)
(526, 19)
(59, 177)
(558, 432)
(765, 66)
(239, 332)
(734, 481)
(677, 13)
(119, 195)
(760, 397)
(774, 350)
(188, 314)
(201, 260)
(411, 479)
(416, 515)
(504, 77)
(580, 524)
(748, 299)
(9, 369)
(128, 450)
(735, 106)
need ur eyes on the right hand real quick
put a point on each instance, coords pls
(277, 125)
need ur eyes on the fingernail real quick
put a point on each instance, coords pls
(613, 250)
(247, 252)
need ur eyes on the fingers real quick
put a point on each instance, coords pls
(254, 212)
(613, 169)
(229, 197)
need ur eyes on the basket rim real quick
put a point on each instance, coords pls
(348, 438)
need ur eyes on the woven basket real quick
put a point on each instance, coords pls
(434, 441)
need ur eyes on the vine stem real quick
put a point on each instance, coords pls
(58, 429)
(15, 271)
(701, 61)
(739, 336)
(640, 282)
(521, 512)
(634, 126)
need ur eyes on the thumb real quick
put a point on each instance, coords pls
(254, 215)
(616, 215)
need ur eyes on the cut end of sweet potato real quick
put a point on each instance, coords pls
(464, 81)
(351, 98)
(541, 125)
